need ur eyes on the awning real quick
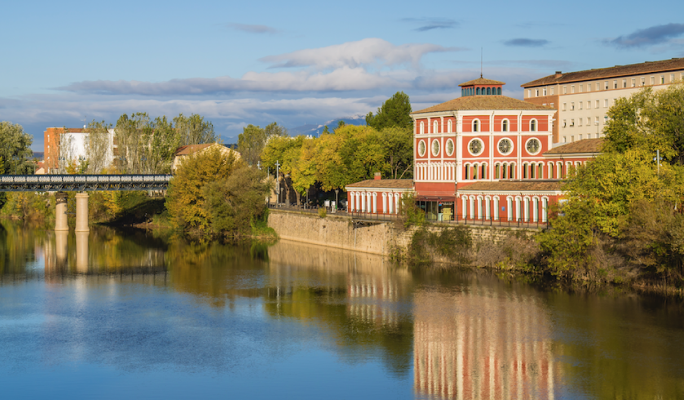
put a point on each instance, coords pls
(436, 198)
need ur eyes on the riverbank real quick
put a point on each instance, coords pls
(507, 250)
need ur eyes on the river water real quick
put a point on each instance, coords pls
(124, 314)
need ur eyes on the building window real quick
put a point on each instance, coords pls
(450, 147)
(580, 136)
(624, 83)
(572, 122)
(653, 80)
(615, 84)
(533, 125)
(572, 106)
(552, 105)
(528, 93)
(588, 87)
(564, 106)
(580, 105)
(504, 125)
(498, 91)
(536, 93)
(597, 104)
(435, 127)
(421, 148)
(475, 147)
(450, 126)
(489, 91)
(565, 139)
(505, 146)
(662, 79)
(672, 78)
(544, 91)
(553, 91)
(422, 127)
(596, 121)
(605, 119)
(588, 105)
(580, 121)
(533, 146)
(572, 138)
(581, 88)
(605, 103)
(477, 91)
(435, 147)
(588, 121)
(565, 123)
(598, 86)
(565, 90)
(633, 82)
(572, 89)
(605, 85)
(476, 125)
(643, 81)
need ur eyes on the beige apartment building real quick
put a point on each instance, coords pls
(583, 98)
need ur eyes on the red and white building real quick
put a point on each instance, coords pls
(482, 156)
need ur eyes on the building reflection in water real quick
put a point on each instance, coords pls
(482, 344)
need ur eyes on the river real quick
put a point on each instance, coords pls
(125, 314)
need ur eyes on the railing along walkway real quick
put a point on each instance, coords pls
(51, 183)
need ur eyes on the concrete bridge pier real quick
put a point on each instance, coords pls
(61, 223)
(82, 252)
(82, 212)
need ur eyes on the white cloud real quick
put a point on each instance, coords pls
(366, 52)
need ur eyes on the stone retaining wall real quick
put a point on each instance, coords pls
(375, 238)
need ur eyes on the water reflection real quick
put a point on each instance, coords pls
(141, 303)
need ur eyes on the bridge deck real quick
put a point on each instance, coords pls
(80, 183)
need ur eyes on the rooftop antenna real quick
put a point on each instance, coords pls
(481, 58)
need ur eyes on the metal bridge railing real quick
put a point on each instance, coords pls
(17, 183)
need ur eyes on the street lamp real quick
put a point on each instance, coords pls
(337, 204)
(277, 164)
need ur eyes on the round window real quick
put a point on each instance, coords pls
(421, 148)
(505, 146)
(435, 147)
(533, 146)
(475, 147)
(450, 147)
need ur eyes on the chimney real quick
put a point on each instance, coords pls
(378, 176)
(559, 74)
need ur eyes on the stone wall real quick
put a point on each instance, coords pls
(374, 238)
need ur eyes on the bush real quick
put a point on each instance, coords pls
(452, 243)
(322, 212)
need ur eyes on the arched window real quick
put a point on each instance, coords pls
(540, 171)
(532, 171)
(435, 127)
(467, 171)
(449, 126)
(475, 169)
(497, 173)
(498, 91)
(504, 171)
(477, 91)
(489, 91)
(483, 173)
(511, 171)
(551, 174)
(476, 125)
(504, 125)
(524, 171)
(533, 125)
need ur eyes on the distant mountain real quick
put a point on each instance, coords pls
(316, 130)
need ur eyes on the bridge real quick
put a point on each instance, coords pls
(82, 184)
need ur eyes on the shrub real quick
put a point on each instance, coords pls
(322, 212)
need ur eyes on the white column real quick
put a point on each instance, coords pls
(464, 206)
(396, 203)
(535, 209)
(375, 202)
(496, 209)
(545, 204)
(384, 203)
(363, 201)
(488, 210)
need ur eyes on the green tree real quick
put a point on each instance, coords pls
(395, 111)
(234, 203)
(398, 148)
(186, 197)
(286, 151)
(132, 136)
(253, 139)
(194, 130)
(98, 146)
(15, 149)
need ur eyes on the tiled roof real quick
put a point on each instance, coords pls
(513, 186)
(384, 184)
(191, 149)
(483, 103)
(580, 146)
(481, 81)
(616, 71)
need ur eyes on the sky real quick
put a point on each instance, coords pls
(299, 62)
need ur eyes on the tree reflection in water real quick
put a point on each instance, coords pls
(456, 334)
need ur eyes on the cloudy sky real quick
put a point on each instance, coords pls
(299, 62)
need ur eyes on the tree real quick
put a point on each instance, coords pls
(131, 135)
(194, 130)
(66, 163)
(395, 111)
(284, 150)
(252, 140)
(186, 197)
(234, 203)
(15, 149)
(398, 148)
(98, 146)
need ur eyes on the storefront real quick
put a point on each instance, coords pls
(437, 208)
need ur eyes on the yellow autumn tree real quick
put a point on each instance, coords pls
(186, 200)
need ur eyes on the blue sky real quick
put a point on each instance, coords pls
(299, 62)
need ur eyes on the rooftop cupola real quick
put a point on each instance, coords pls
(481, 87)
